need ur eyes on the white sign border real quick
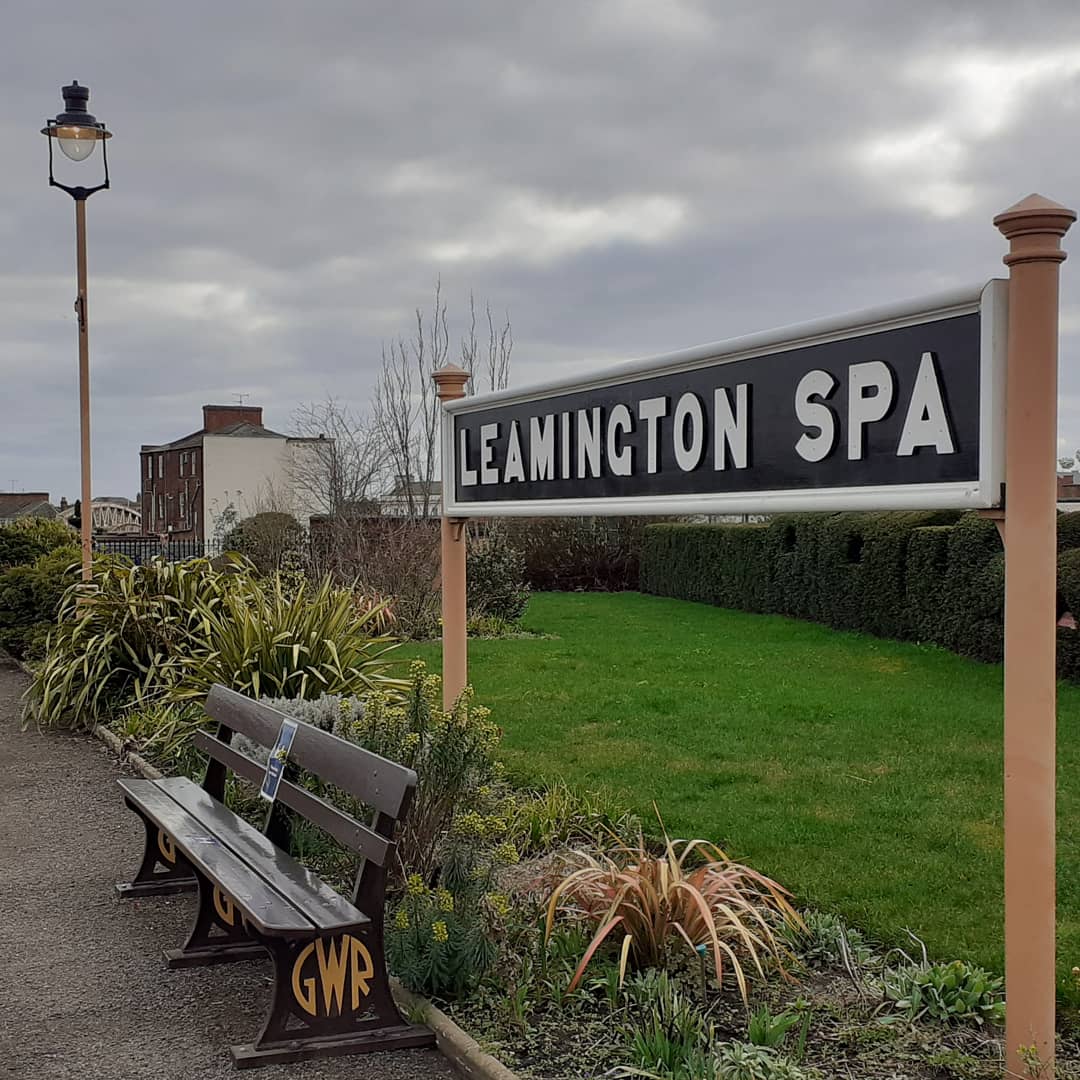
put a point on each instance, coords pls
(989, 298)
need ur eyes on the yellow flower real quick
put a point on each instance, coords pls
(401, 919)
(445, 899)
(412, 740)
(470, 824)
(507, 853)
(499, 903)
(416, 886)
(439, 931)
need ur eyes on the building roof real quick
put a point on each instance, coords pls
(405, 488)
(26, 503)
(239, 430)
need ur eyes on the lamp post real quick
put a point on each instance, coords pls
(77, 133)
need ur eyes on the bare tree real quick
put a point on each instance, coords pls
(405, 402)
(500, 347)
(335, 470)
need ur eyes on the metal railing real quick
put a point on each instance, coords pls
(142, 549)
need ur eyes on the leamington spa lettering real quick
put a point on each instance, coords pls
(900, 406)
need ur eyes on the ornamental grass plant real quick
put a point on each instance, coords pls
(162, 631)
(690, 894)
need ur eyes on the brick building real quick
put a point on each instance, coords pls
(1068, 491)
(25, 504)
(232, 465)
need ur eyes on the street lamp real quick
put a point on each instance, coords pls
(77, 133)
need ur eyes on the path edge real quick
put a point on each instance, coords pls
(456, 1045)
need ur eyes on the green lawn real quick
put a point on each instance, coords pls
(864, 774)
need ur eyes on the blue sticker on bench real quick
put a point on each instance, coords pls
(275, 766)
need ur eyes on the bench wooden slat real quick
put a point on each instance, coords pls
(263, 905)
(378, 783)
(352, 834)
(304, 890)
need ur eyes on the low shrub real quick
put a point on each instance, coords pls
(957, 992)
(271, 541)
(452, 753)
(442, 940)
(30, 597)
(745, 1061)
(580, 554)
(27, 539)
(825, 941)
(664, 1030)
(560, 816)
(394, 558)
(495, 578)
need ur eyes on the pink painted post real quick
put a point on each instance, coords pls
(450, 382)
(1034, 228)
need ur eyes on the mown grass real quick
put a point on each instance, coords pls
(864, 774)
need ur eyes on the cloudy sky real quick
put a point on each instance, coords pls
(624, 177)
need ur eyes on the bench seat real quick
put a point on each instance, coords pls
(277, 894)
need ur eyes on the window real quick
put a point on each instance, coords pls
(194, 462)
(183, 505)
(161, 508)
(161, 466)
(183, 462)
(149, 467)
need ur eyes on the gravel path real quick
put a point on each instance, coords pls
(84, 991)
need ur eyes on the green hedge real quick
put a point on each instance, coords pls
(29, 599)
(931, 577)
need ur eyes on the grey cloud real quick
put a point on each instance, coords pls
(624, 177)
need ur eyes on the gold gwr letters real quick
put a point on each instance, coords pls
(337, 961)
(224, 906)
(166, 846)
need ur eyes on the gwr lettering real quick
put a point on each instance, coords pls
(331, 965)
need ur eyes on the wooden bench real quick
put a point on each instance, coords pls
(330, 987)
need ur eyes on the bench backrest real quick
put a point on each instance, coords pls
(383, 785)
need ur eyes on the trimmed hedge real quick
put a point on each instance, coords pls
(932, 577)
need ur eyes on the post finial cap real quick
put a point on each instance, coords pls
(450, 381)
(1036, 213)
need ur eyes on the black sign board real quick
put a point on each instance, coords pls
(895, 408)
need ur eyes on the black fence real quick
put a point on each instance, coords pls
(142, 549)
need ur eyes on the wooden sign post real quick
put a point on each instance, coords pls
(1034, 228)
(908, 406)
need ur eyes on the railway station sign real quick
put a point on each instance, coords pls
(900, 407)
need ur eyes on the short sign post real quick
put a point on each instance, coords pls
(275, 763)
(903, 407)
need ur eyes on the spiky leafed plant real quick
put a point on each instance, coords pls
(691, 893)
(118, 638)
(138, 635)
(281, 638)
